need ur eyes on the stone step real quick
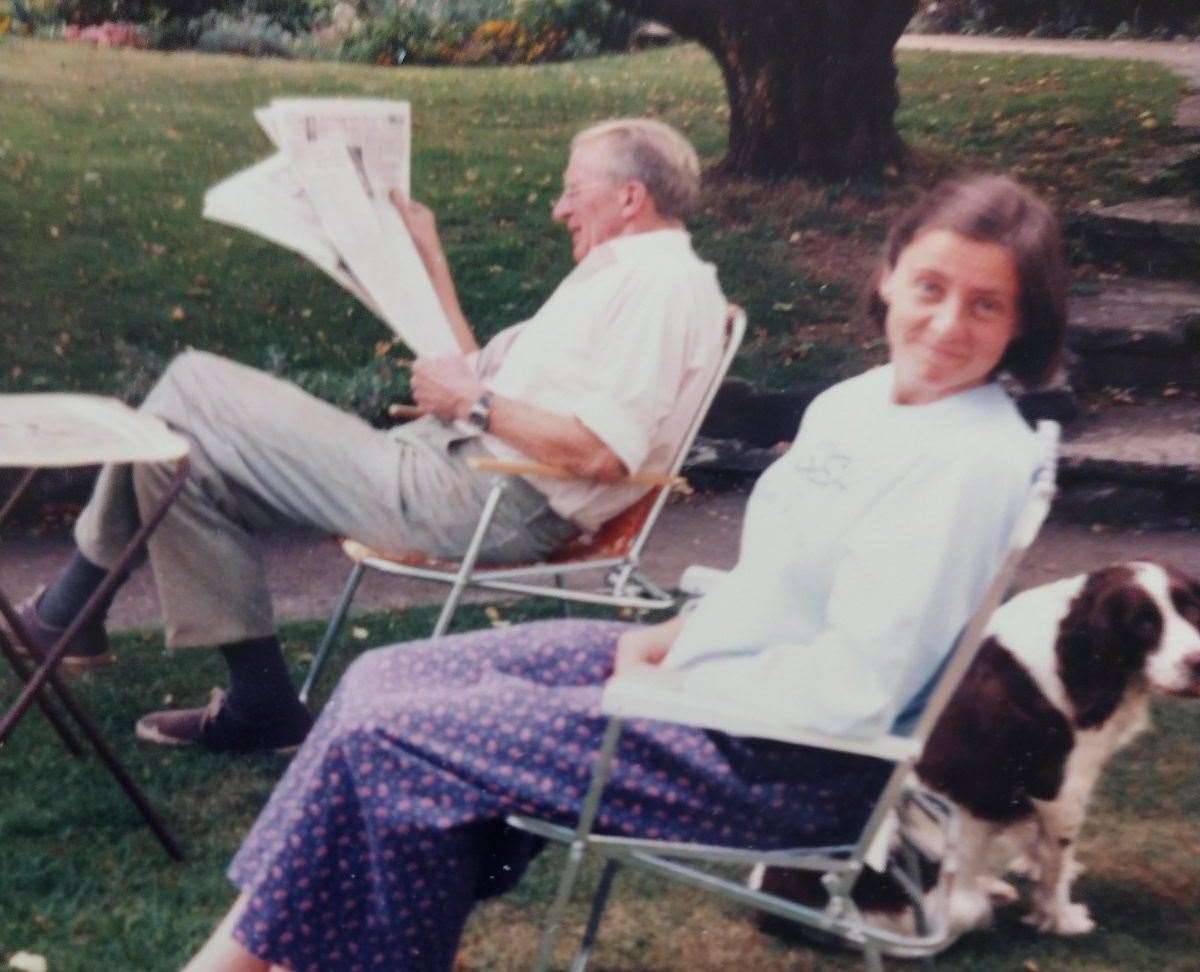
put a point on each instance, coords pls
(1135, 333)
(1177, 166)
(1152, 236)
(1135, 465)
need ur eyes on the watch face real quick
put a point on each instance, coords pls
(480, 413)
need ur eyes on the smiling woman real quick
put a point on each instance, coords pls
(972, 282)
(952, 311)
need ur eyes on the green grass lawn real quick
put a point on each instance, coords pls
(107, 269)
(85, 885)
(104, 156)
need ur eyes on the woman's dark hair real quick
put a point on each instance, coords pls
(995, 209)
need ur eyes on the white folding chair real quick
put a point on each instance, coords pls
(610, 558)
(839, 867)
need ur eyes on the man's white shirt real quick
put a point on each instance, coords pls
(627, 344)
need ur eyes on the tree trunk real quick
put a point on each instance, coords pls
(811, 83)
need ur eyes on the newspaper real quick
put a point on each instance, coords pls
(324, 195)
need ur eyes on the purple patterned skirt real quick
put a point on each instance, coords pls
(389, 823)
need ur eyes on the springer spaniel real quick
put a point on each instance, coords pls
(1062, 681)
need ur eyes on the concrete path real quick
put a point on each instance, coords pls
(1183, 57)
(307, 570)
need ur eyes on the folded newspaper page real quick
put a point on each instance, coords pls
(324, 195)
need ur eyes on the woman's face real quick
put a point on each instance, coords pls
(951, 312)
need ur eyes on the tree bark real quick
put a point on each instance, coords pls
(811, 83)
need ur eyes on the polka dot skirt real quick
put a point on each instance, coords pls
(389, 823)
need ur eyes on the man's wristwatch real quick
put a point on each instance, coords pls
(480, 415)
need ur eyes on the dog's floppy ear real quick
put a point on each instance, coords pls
(1111, 626)
(1185, 594)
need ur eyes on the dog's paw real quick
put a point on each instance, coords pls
(1068, 919)
(969, 910)
(1000, 892)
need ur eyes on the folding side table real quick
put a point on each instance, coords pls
(40, 431)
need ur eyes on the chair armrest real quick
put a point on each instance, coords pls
(658, 696)
(525, 468)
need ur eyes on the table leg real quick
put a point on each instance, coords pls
(45, 671)
(15, 661)
(19, 666)
(17, 493)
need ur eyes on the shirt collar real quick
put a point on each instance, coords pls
(643, 246)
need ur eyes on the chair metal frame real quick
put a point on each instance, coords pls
(886, 841)
(621, 585)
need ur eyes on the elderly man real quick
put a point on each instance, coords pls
(601, 381)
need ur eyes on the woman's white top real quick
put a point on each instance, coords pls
(865, 549)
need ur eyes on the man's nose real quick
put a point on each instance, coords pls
(558, 210)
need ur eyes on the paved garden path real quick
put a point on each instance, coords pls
(306, 570)
(1184, 58)
(1181, 57)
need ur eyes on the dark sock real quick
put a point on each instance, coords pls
(259, 683)
(70, 591)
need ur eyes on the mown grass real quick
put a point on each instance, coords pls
(85, 885)
(107, 269)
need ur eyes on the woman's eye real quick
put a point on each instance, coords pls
(988, 307)
(928, 288)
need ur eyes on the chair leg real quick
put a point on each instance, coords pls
(336, 621)
(587, 816)
(467, 564)
(872, 958)
(599, 900)
(566, 605)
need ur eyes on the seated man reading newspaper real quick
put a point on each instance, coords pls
(601, 381)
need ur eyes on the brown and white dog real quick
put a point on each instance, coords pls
(1062, 681)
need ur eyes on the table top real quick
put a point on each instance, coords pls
(65, 429)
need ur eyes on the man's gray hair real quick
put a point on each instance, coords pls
(654, 154)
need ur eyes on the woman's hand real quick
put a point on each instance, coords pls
(645, 647)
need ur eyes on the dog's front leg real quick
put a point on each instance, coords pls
(1053, 911)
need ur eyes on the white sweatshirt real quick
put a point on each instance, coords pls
(864, 551)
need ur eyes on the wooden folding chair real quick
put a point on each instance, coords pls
(611, 556)
(890, 824)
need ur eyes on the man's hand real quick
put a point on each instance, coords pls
(422, 227)
(447, 387)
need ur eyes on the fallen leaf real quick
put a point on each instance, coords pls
(359, 633)
(27, 962)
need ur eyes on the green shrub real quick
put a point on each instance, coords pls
(404, 35)
(247, 33)
(610, 29)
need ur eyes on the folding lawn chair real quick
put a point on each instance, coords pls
(611, 555)
(900, 802)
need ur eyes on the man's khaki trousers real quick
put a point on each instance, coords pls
(266, 454)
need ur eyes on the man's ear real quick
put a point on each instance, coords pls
(634, 198)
